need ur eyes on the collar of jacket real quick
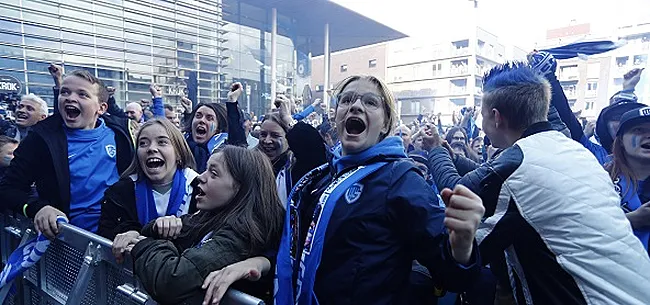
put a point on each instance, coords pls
(537, 128)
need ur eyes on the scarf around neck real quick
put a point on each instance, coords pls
(146, 205)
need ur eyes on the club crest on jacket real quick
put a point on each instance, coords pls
(111, 151)
(353, 193)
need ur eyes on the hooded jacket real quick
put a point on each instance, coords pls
(373, 237)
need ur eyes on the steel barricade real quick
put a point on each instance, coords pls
(79, 269)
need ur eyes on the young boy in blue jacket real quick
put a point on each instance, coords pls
(72, 157)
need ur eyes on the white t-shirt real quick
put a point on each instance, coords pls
(162, 200)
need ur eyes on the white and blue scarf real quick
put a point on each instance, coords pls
(146, 205)
(25, 256)
(358, 167)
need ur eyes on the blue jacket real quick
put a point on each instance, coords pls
(371, 242)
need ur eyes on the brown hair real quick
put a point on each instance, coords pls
(390, 105)
(185, 157)
(4, 140)
(255, 211)
(619, 166)
(275, 117)
(102, 93)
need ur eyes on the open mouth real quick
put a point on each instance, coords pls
(22, 115)
(72, 111)
(200, 192)
(201, 130)
(354, 126)
(155, 163)
(645, 146)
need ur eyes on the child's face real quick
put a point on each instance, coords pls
(79, 103)
(156, 154)
(7, 154)
(217, 187)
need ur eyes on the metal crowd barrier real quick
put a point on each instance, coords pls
(79, 268)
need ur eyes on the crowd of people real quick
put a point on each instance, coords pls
(347, 206)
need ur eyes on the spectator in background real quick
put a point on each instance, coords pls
(457, 134)
(248, 127)
(405, 134)
(171, 115)
(7, 147)
(477, 147)
(134, 112)
(72, 157)
(30, 110)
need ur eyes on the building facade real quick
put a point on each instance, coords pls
(193, 47)
(366, 60)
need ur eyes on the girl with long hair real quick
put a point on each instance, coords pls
(630, 170)
(240, 216)
(159, 182)
(354, 226)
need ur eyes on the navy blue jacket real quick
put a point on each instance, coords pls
(370, 244)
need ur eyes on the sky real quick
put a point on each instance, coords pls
(522, 23)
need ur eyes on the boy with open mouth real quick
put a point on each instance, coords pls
(72, 157)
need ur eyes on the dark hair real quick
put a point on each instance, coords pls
(220, 114)
(521, 94)
(276, 118)
(255, 211)
(620, 166)
(4, 140)
(102, 93)
(169, 107)
(477, 139)
(450, 134)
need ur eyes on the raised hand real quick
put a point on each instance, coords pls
(462, 217)
(168, 227)
(632, 78)
(235, 91)
(155, 90)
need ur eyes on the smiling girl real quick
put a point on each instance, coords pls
(240, 216)
(159, 182)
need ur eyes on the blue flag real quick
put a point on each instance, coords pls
(586, 48)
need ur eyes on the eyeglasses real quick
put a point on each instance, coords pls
(369, 100)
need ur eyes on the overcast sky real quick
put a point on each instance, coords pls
(519, 22)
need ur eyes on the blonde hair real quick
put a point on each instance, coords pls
(183, 152)
(390, 105)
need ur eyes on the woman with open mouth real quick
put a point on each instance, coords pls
(240, 216)
(630, 170)
(160, 181)
(354, 226)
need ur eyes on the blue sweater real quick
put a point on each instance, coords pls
(92, 163)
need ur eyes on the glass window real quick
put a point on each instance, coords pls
(186, 37)
(163, 32)
(6, 25)
(118, 85)
(161, 41)
(146, 8)
(115, 63)
(109, 31)
(38, 66)
(110, 53)
(109, 43)
(39, 42)
(39, 78)
(185, 27)
(187, 46)
(136, 47)
(138, 87)
(372, 63)
(10, 38)
(146, 38)
(138, 68)
(78, 3)
(113, 74)
(78, 59)
(186, 64)
(7, 50)
(164, 52)
(75, 48)
(138, 57)
(137, 16)
(77, 25)
(86, 15)
(39, 6)
(105, 10)
(135, 96)
(42, 91)
(44, 55)
(40, 30)
(164, 23)
(76, 36)
(344, 68)
(19, 75)
(164, 61)
(13, 12)
(11, 63)
(137, 27)
(113, 21)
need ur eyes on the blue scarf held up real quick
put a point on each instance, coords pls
(630, 201)
(146, 205)
(359, 166)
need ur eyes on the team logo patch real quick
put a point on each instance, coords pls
(111, 151)
(353, 193)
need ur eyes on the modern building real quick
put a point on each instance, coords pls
(365, 60)
(194, 47)
(589, 83)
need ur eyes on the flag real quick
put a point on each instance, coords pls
(26, 256)
(584, 49)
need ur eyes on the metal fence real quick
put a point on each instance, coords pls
(78, 268)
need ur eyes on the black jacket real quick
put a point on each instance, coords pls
(119, 211)
(42, 159)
